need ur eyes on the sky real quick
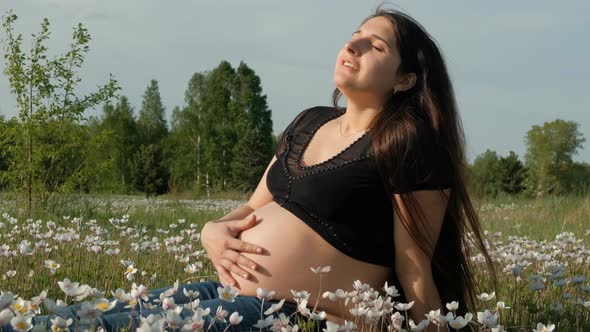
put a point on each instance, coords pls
(513, 64)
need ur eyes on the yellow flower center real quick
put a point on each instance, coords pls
(456, 325)
(21, 325)
(23, 310)
(102, 306)
(129, 269)
(132, 302)
(17, 306)
(226, 295)
(53, 266)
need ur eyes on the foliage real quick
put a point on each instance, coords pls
(49, 110)
(149, 172)
(550, 149)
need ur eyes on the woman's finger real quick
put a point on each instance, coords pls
(242, 246)
(224, 273)
(239, 259)
(234, 268)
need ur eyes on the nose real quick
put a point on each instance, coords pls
(352, 48)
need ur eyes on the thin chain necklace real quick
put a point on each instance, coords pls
(340, 129)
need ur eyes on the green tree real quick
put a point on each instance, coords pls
(47, 102)
(186, 137)
(149, 174)
(151, 124)
(512, 174)
(119, 119)
(218, 126)
(550, 149)
(254, 147)
(578, 178)
(485, 174)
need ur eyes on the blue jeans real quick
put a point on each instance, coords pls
(247, 306)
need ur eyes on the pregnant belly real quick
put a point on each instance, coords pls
(291, 249)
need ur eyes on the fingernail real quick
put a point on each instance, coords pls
(245, 275)
(258, 250)
(252, 267)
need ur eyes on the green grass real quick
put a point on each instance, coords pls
(538, 219)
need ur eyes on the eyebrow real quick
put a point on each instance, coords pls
(375, 36)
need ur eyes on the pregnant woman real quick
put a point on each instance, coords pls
(375, 190)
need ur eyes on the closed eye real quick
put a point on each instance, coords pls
(377, 48)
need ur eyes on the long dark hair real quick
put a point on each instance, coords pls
(419, 130)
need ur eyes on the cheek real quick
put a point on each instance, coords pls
(384, 73)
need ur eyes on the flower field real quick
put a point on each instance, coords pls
(98, 252)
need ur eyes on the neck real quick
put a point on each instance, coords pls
(358, 117)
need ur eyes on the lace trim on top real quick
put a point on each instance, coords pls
(299, 138)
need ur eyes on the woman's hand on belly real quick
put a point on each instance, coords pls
(219, 239)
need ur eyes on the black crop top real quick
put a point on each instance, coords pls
(343, 199)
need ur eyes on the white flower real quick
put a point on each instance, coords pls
(191, 294)
(227, 294)
(501, 306)
(391, 290)
(337, 295)
(88, 312)
(21, 323)
(235, 318)
(543, 328)
(151, 324)
(274, 307)
(51, 265)
(220, 314)
(453, 306)
(319, 315)
(130, 271)
(397, 319)
(173, 290)
(113, 252)
(5, 316)
(104, 304)
(264, 294)
(9, 274)
(300, 295)
(73, 289)
(6, 299)
(486, 296)
(459, 322)
(54, 308)
(168, 303)
(302, 308)
(420, 327)
(174, 319)
(331, 327)
(404, 306)
(347, 327)
(488, 318)
(264, 323)
(321, 269)
(193, 268)
(61, 325)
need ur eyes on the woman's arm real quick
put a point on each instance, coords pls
(413, 266)
(259, 198)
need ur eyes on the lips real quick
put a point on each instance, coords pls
(349, 63)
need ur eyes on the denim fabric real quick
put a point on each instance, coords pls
(247, 306)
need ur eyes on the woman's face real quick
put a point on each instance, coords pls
(367, 64)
